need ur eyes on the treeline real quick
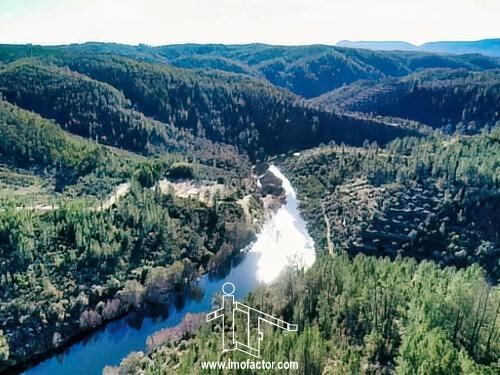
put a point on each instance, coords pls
(454, 92)
(463, 160)
(41, 147)
(91, 109)
(30, 141)
(310, 71)
(359, 316)
(449, 99)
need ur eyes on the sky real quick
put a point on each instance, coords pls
(288, 22)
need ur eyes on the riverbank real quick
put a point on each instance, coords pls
(283, 242)
(113, 343)
(176, 240)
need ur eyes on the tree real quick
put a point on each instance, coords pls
(4, 348)
(427, 353)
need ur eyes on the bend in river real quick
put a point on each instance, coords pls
(283, 241)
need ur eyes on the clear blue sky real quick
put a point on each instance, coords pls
(242, 21)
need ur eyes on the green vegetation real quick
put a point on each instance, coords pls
(362, 314)
(87, 108)
(432, 198)
(126, 172)
(452, 99)
(69, 270)
(31, 141)
(365, 315)
(250, 114)
(310, 71)
(79, 247)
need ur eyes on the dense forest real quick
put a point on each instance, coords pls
(255, 116)
(87, 108)
(366, 315)
(308, 71)
(29, 140)
(448, 99)
(128, 171)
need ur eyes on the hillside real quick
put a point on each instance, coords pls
(126, 172)
(310, 71)
(29, 140)
(428, 199)
(85, 107)
(112, 99)
(307, 71)
(447, 99)
(40, 161)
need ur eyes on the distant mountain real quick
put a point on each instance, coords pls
(488, 47)
(151, 99)
(379, 45)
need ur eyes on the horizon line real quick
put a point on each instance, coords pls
(334, 44)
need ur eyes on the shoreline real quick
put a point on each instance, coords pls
(270, 204)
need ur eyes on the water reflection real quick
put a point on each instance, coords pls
(283, 240)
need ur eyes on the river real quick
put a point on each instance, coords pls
(283, 241)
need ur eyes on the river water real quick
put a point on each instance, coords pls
(283, 241)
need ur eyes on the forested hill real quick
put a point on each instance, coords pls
(31, 141)
(308, 71)
(148, 107)
(80, 105)
(126, 172)
(251, 96)
(438, 97)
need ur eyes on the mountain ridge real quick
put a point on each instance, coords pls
(307, 71)
(488, 47)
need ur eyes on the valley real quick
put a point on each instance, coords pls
(353, 192)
